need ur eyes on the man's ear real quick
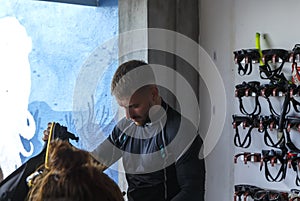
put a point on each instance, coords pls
(154, 93)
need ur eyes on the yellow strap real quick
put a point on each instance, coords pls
(48, 145)
(257, 42)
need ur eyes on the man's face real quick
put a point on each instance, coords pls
(137, 106)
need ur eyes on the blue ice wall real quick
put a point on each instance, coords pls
(67, 41)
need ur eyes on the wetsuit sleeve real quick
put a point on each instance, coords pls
(107, 152)
(190, 170)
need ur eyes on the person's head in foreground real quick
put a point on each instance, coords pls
(72, 175)
(134, 88)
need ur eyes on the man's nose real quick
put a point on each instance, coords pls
(127, 113)
(130, 113)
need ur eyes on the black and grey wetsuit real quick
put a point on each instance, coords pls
(161, 159)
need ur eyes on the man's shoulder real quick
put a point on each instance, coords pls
(175, 117)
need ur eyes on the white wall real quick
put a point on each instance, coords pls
(215, 37)
(227, 25)
(276, 19)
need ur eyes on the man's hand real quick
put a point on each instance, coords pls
(47, 132)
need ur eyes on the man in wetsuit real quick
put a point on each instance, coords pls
(160, 148)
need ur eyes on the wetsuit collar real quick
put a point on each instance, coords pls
(161, 114)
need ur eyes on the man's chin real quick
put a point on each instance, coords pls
(138, 123)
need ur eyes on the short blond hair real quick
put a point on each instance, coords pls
(131, 76)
